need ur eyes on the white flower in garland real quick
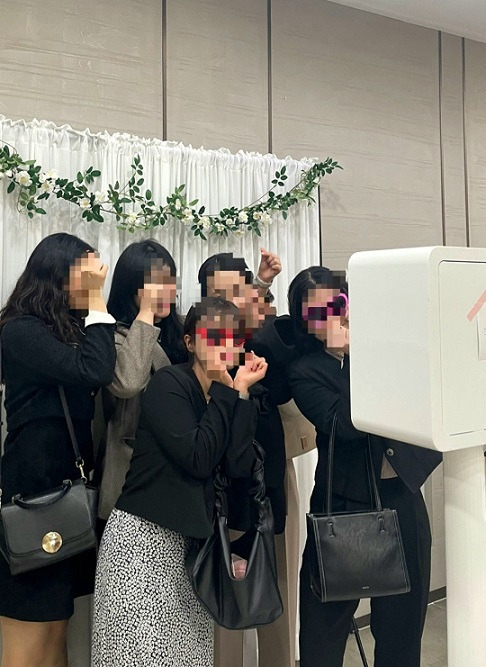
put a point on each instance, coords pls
(243, 216)
(23, 178)
(85, 203)
(132, 217)
(205, 223)
(219, 227)
(177, 204)
(9, 173)
(100, 197)
(47, 186)
(51, 174)
(266, 219)
(188, 216)
(239, 232)
(257, 215)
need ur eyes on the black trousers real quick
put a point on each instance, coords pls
(397, 621)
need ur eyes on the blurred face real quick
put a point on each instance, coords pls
(159, 289)
(232, 286)
(77, 283)
(228, 285)
(254, 309)
(217, 343)
(324, 319)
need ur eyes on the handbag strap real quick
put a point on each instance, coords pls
(330, 470)
(69, 421)
(72, 434)
(257, 490)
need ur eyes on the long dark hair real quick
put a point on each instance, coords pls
(41, 289)
(313, 277)
(130, 275)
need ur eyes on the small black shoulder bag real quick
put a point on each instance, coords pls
(49, 527)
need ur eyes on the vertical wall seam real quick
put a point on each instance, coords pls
(441, 145)
(269, 76)
(164, 70)
(464, 136)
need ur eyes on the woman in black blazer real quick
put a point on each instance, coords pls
(319, 379)
(54, 330)
(194, 417)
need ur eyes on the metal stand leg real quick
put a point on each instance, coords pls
(355, 632)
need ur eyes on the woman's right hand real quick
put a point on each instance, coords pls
(148, 304)
(346, 337)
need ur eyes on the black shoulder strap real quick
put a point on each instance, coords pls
(72, 434)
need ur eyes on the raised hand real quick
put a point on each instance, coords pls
(270, 266)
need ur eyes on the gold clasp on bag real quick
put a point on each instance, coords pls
(51, 542)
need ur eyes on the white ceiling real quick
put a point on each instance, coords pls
(459, 17)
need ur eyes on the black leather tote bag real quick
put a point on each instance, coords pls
(49, 527)
(355, 555)
(233, 603)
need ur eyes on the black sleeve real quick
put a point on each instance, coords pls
(319, 397)
(28, 343)
(195, 446)
(240, 454)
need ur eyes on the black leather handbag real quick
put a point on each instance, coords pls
(355, 555)
(49, 527)
(237, 604)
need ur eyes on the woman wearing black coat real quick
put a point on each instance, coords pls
(54, 331)
(319, 379)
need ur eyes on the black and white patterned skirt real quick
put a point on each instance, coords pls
(145, 613)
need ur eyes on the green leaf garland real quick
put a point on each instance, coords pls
(135, 210)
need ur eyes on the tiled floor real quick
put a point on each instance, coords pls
(434, 644)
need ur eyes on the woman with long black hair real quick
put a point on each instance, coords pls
(148, 336)
(319, 379)
(55, 330)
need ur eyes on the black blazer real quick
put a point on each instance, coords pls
(180, 440)
(321, 389)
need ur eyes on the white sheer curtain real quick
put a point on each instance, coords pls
(216, 178)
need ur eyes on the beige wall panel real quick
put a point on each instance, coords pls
(453, 141)
(84, 63)
(475, 114)
(217, 73)
(363, 89)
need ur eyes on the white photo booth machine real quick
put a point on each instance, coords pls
(418, 374)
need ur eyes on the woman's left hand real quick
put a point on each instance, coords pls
(253, 371)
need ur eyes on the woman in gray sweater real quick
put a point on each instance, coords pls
(148, 336)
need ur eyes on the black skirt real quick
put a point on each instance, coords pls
(46, 594)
